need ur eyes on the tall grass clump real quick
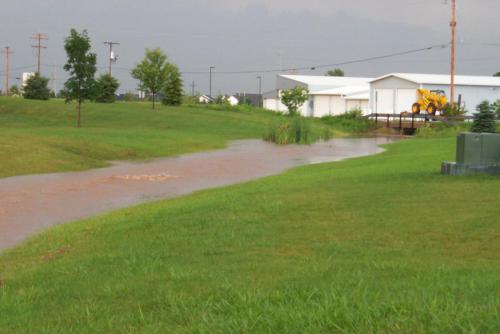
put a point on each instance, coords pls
(442, 130)
(296, 130)
(351, 121)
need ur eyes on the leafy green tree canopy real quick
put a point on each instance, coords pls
(106, 87)
(172, 91)
(37, 88)
(485, 120)
(294, 98)
(81, 67)
(335, 73)
(152, 72)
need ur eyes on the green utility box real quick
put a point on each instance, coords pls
(476, 153)
(478, 149)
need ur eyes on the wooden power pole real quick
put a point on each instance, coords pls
(7, 53)
(111, 58)
(453, 25)
(39, 38)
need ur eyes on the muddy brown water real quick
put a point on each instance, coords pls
(29, 204)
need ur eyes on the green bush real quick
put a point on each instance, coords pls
(485, 119)
(106, 87)
(37, 88)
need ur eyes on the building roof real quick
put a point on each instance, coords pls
(358, 96)
(315, 80)
(343, 91)
(442, 79)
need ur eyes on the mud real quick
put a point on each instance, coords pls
(29, 204)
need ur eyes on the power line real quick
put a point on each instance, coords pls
(313, 67)
(349, 62)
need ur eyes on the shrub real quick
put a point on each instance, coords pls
(442, 130)
(130, 97)
(106, 87)
(37, 88)
(351, 121)
(485, 120)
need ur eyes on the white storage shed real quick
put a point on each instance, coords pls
(395, 93)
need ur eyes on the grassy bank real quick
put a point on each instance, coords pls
(40, 136)
(382, 244)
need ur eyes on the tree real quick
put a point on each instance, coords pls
(37, 88)
(294, 98)
(484, 120)
(335, 73)
(14, 91)
(81, 66)
(152, 72)
(106, 87)
(496, 74)
(496, 107)
(172, 91)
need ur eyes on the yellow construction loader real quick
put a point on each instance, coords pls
(430, 101)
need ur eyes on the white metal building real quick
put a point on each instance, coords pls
(318, 87)
(395, 93)
(337, 101)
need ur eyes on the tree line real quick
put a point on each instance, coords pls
(156, 75)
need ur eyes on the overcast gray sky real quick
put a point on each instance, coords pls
(236, 35)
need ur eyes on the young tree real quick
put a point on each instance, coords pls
(37, 88)
(172, 91)
(496, 107)
(335, 73)
(485, 119)
(106, 87)
(294, 98)
(152, 72)
(81, 66)
(14, 91)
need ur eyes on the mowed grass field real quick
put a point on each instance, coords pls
(382, 244)
(41, 137)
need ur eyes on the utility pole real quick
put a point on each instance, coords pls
(39, 38)
(111, 58)
(260, 90)
(53, 79)
(193, 85)
(453, 25)
(210, 89)
(7, 52)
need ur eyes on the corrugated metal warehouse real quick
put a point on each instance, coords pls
(395, 93)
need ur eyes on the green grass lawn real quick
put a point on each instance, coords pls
(41, 137)
(382, 244)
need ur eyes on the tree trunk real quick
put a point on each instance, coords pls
(154, 97)
(79, 113)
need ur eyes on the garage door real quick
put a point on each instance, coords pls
(385, 101)
(405, 99)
